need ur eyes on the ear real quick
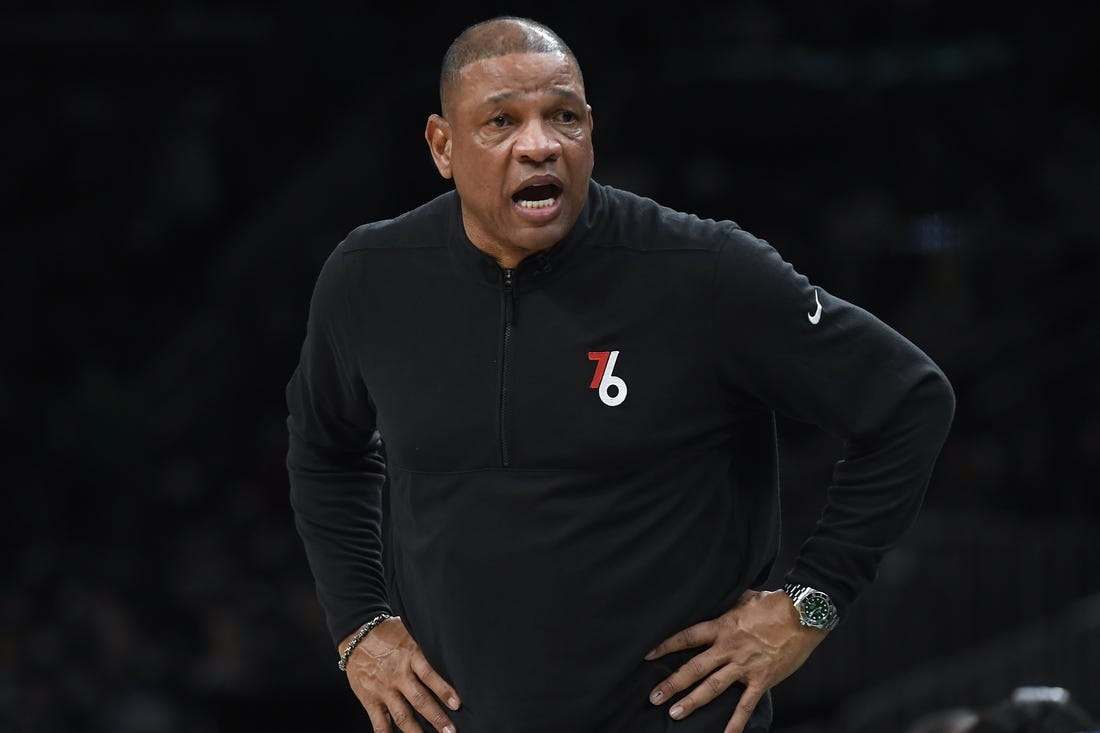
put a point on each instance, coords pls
(591, 119)
(438, 135)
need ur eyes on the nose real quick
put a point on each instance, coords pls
(536, 143)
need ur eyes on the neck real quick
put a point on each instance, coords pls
(507, 255)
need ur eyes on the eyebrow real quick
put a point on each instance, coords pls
(559, 91)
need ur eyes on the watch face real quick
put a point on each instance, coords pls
(817, 610)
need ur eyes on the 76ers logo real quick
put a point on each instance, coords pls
(605, 380)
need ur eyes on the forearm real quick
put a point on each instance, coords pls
(877, 491)
(337, 511)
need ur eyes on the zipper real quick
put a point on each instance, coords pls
(509, 306)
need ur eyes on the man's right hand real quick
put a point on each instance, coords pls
(391, 678)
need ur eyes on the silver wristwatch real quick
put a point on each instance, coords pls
(815, 609)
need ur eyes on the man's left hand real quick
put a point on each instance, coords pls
(758, 642)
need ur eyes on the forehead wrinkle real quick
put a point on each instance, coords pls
(557, 91)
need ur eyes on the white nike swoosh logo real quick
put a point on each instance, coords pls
(816, 316)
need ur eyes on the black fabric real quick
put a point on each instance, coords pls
(544, 536)
(635, 714)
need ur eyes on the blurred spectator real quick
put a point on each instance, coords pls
(1035, 710)
(1027, 710)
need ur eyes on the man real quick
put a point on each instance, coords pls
(575, 388)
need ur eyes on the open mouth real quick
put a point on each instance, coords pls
(537, 197)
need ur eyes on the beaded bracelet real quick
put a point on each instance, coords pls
(359, 636)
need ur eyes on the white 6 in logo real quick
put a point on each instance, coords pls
(605, 380)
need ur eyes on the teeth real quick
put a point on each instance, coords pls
(541, 204)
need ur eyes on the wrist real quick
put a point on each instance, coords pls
(813, 608)
(353, 641)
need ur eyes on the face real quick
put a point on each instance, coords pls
(517, 140)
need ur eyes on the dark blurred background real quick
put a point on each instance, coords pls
(175, 173)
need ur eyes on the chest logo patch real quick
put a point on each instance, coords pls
(604, 380)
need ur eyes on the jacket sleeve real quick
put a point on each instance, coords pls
(335, 462)
(841, 368)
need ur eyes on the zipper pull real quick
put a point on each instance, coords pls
(509, 297)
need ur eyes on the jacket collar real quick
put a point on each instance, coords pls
(535, 269)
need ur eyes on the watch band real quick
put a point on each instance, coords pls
(796, 591)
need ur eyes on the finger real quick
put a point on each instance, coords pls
(745, 707)
(435, 682)
(379, 719)
(711, 687)
(425, 703)
(688, 674)
(689, 638)
(403, 716)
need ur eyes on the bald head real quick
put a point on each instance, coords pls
(497, 37)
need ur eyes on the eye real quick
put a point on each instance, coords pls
(499, 121)
(567, 116)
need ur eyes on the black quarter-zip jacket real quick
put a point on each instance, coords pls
(581, 452)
